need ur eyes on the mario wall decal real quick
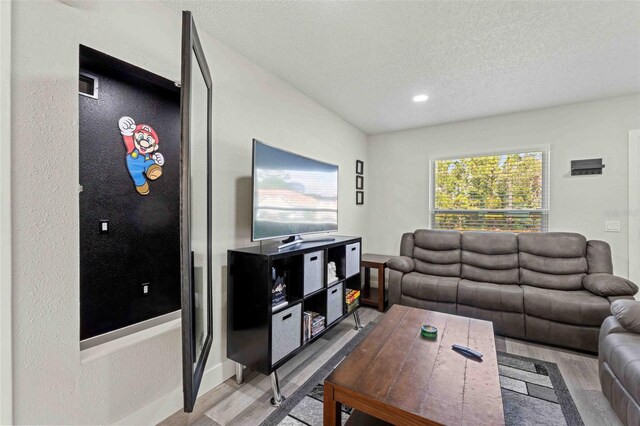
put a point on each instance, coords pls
(143, 162)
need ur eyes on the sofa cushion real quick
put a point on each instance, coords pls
(581, 337)
(504, 323)
(490, 257)
(621, 351)
(437, 252)
(553, 260)
(554, 266)
(627, 312)
(490, 242)
(553, 244)
(578, 307)
(496, 297)
(436, 239)
(430, 287)
(428, 305)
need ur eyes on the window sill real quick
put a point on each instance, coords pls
(120, 339)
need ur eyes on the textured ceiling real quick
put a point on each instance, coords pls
(366, 60)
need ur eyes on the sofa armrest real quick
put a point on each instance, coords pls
(402, 264)
(609, 285)
(398, 267)
(627, 312)
(610, 325)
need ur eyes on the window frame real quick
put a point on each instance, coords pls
(546, 187)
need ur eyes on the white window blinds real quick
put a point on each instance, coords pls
(501, 192)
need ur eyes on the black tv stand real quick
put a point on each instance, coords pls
(262, 336)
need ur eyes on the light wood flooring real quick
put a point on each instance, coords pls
(248, 404)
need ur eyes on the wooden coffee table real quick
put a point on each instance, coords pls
(399, 377)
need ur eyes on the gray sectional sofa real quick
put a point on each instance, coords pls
(619, 360)
(552, 287)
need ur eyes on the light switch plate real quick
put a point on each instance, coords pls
(611, 226)
(104, 226)
(145, 288)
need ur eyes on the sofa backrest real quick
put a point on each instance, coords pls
(437, 252)
(599, 257)
(490, 257)
(555, 260)
(407, 244)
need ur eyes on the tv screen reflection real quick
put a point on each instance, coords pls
(292, 194)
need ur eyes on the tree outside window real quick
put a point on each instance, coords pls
(502, 192)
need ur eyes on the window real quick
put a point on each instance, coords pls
(500, 192)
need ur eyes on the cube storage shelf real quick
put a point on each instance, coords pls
(262, 338)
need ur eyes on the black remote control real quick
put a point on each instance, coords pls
(472, 353)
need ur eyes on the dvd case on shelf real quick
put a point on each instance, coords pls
(352, 300)
(279, 289)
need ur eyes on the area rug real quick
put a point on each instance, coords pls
(533, 393)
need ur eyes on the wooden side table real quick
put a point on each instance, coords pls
(374, 296)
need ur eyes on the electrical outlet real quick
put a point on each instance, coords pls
(145, 288)
(104, 226)
(611, 226)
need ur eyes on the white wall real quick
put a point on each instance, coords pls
(6, 379)
(399, 185)
(51, 385)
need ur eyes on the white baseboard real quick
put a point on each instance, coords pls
(163, 407)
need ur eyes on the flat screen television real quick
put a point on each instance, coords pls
(292, 194)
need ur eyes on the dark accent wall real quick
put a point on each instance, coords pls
(143, 242)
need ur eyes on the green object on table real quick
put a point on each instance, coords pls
(429, 332)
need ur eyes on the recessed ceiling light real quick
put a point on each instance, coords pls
(420, 98)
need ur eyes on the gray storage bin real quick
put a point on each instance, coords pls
(313, 271)
(335, 302)
(353, 259)
(286, 331)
